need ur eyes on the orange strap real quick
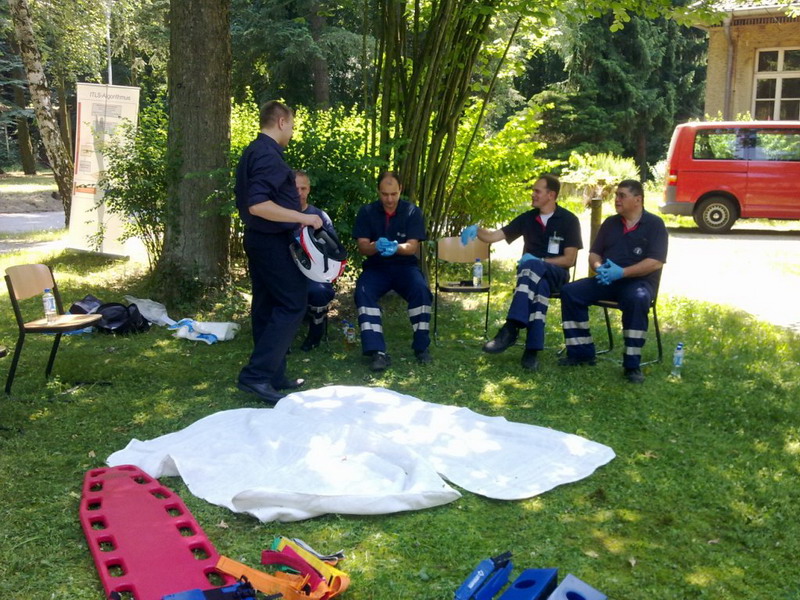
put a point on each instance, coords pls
(293, 587)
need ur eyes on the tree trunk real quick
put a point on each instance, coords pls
(26, 154)
(64, 116)
(60, 160)
(195, 253)
(319, 65)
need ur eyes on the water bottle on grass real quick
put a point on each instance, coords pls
(677, 361)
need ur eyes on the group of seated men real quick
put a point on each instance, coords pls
(627, 256)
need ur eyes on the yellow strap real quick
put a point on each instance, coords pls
(338, 581)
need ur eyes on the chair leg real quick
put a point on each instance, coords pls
(52, 355)
(435, 317)
(610, 334)
(14, 361)
(486, 321)
(660, 356)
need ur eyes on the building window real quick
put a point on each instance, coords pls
(777, 85)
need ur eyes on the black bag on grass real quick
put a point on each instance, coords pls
(121, 319)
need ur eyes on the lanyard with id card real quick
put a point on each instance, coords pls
(554, 244)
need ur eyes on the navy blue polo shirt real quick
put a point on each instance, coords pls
(327, 224)
(406, 224)
(563, 228)
(263, 175)
(648, 239)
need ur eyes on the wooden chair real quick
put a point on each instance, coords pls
(450, 250)
(27, 281)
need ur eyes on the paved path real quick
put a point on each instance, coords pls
(11, 223)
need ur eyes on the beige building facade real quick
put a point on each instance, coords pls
(754, 65)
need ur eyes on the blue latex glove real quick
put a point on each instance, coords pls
(609, 272)
(469, 234)
(386, 247)
(526, 257)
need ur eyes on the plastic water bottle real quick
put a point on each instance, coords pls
(349, 331)
(49, 301)
(677, 360)
(477, 273)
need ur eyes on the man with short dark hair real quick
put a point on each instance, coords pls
(388, 232)
(268, 204)
(627, 255)
(552, 236)
(320, 295)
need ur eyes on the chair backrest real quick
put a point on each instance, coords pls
(450, 249)
(28, 281)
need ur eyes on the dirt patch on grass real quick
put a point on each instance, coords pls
(28, 193)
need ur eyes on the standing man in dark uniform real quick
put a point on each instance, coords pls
(268, 204)
(552, 236)
(388, 233)
(320, 295)
(627, 255)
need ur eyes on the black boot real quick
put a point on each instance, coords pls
(314, 337)
(504, 338)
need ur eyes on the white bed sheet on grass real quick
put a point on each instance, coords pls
(360, 450)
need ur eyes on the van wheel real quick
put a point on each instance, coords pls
(715, 215)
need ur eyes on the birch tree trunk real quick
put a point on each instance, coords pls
(58, 156)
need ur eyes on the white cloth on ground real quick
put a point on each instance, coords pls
(359, 450)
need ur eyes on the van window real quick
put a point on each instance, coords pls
(777, 144)
(718, 144)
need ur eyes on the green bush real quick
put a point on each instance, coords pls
(135, 179)
(495, 182)
(597, 175)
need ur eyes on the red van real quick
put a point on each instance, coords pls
(722, 171)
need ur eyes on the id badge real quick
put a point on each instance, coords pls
(554, 244)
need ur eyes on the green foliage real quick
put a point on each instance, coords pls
(625, 89)
(135, 179)
(700, 501)
(329, 146)
(496, 179)
(597, 175)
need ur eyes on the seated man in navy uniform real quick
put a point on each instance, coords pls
(627, 255)
(388, 232)
(320, 295)
(268, 204)
(552, 236)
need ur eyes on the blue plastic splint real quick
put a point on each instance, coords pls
(487, 579)
(532, 584)
(573, 588)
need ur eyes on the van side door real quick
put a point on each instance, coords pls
(773, 174)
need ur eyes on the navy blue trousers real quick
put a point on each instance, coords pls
(634, 297)
(536, 280)
(406, 280)
(280, 295)
(320, 295)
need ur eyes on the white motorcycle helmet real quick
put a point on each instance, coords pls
(319, 255)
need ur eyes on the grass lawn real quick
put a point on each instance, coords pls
(701, 501)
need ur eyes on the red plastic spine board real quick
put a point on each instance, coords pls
(144, 541)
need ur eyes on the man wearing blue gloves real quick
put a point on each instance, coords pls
(388, 232)
(552, 236)
(627, 255)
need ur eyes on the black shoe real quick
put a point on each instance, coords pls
(504, 338)
(571, 361)
(634, 375)
(380, 362)
(289, 384)
(309, 343)
(530, 360)
(264, 391)
(423, 357)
